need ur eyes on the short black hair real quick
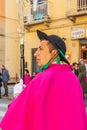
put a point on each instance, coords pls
(26, 70)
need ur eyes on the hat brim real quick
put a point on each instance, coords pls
(42, 36)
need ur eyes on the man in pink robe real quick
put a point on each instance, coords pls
(53, 100)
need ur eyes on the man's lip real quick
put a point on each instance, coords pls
(37, 59)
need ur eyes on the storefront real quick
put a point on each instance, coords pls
(83, 43)
(79, 33)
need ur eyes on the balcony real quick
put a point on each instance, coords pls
(35, 14)
(76, 8)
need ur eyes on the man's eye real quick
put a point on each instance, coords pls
(40, 48)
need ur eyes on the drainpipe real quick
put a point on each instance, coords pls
(21, 35)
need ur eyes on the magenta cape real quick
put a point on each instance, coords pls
(53, 100)
(27, 79)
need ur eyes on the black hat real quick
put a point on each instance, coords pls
(57, 42)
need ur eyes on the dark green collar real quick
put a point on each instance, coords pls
(47, 65)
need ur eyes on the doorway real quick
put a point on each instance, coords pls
(84, 52)
(35, 67)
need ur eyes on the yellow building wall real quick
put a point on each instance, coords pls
(2, 8)
(58, 8)
(31, 41)
(2, 30)
(59, 25)
(9, 42)
(82, 19)
(11, 9)
(12, 44)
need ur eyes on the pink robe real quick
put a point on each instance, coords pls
(27, 79)
(53, 100)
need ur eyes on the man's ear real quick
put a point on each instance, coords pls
(54, 52)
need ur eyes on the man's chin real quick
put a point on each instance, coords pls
(39, 65)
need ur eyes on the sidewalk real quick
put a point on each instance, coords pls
(11, 96)
(10, 92)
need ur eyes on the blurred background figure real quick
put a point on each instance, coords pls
(18, 87)
(81, 62)
(5, 79)
(0, 84)
(33, 75)
(75, 68)
(27, 76)
(82, 75)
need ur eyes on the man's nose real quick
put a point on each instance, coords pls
(36, 52)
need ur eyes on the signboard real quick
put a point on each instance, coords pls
(78, 33)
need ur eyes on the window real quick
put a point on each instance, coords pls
(82, 5)
(39, 11)
(39, 1)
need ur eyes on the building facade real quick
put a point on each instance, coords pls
(9, 40)
(66, 18)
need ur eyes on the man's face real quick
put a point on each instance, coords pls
(43, 55)
(82, 62)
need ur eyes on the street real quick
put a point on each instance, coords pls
(4, 101)
(3, 106)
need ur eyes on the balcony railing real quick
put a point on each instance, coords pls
(40, 13)
(81, 5)
(76, 7)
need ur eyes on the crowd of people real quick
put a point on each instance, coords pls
(5, 77)
(22, 83)
(80, 71)
(53, 100)
(27, 77)
(78, 68)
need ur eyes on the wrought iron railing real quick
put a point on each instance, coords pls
(81, 5)
(76, 7)
(35, 13)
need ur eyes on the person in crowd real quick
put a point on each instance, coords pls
(81, 61)
(53, 100)
(27, 77)
(0, 84)
(18, 88)
(5, 79)
(33, 75)
(82, 75)
(75, 68)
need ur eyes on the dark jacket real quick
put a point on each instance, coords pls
(5, 75)
(0, 82)
(82, 77)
